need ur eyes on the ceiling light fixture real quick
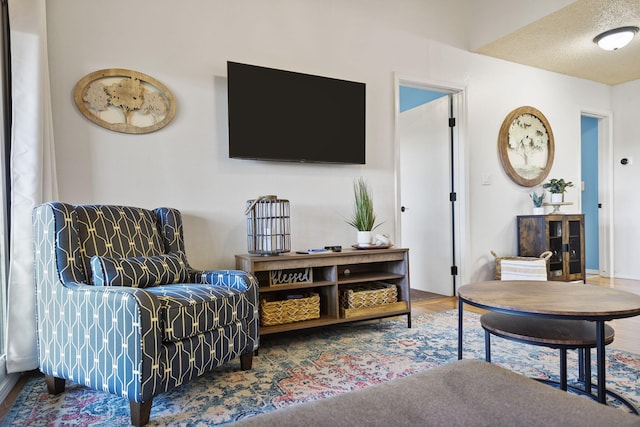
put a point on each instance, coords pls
(616, 38)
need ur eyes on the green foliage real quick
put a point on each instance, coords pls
(363, 219)
(557, 186)
(537, 199)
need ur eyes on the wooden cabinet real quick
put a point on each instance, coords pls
(561, 234)
(328, 274)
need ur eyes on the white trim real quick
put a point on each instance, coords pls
(7, 384)
(459, 158)
(605, 189)
(462, 184)
(7, 381)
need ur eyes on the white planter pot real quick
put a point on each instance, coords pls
(364, 238)
(556, 197)
(538, 211)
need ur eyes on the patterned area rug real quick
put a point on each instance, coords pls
(295, 368)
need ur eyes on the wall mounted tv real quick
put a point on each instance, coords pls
(288, 116)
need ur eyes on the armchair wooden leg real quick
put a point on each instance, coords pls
(246, 360)
(140, 412)
(54, 385)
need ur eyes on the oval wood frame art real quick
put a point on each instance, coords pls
(526, 146)
(125, 101)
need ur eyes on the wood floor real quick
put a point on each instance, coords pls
(627, 330)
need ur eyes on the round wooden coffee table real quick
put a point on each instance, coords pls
(553, 300)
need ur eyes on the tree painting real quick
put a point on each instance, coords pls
(528, 138)
(128, 95)
(154, 104)
(97, 97)
(124, 100)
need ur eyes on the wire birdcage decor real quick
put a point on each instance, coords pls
(268, 226)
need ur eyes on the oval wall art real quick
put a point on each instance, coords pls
(124, 101)
(526, 146)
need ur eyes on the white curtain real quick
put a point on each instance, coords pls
(33, 175)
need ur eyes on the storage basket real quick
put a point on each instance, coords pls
(528, 268)
(369, 295)
(274, 310)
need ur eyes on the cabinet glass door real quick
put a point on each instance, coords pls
(555, 246)
(575, 255)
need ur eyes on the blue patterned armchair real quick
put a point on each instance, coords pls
(120, 310)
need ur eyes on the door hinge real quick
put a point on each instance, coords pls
(452, 197)
(452, 122)
(454, 270)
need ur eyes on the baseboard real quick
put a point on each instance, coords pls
(6, 385)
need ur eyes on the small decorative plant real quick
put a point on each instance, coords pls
(537, 199)
(557, 186)
(363, 219)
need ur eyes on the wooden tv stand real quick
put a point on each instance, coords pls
(331, 272)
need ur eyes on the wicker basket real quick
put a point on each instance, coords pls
(369, 295)
(275, 311)
(498, 274)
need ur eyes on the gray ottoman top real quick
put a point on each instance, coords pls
(461, 393)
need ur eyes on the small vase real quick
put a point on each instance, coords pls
(364, 238)
(538, 211)
(557, 197)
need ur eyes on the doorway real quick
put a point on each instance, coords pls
(597, 191)
(589, 172)
(428, 201)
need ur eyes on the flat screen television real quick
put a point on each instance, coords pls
(289, 116)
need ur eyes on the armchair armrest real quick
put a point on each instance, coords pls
(237, 279)
(243, 281)
(112, 328)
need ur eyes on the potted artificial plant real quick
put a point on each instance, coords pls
(537, 203)
(363, 219)
(557, 188)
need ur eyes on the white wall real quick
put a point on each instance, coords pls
(499, 88)
(626, 104)
(186, 45)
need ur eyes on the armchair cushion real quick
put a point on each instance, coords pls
(191, 309)
(139, 272)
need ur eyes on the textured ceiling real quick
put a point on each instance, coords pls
(563, 42)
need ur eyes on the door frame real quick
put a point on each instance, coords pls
(605, 187)
(460, 166)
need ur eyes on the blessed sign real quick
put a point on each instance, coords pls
(285, 277)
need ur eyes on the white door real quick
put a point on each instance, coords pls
(425, 175)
